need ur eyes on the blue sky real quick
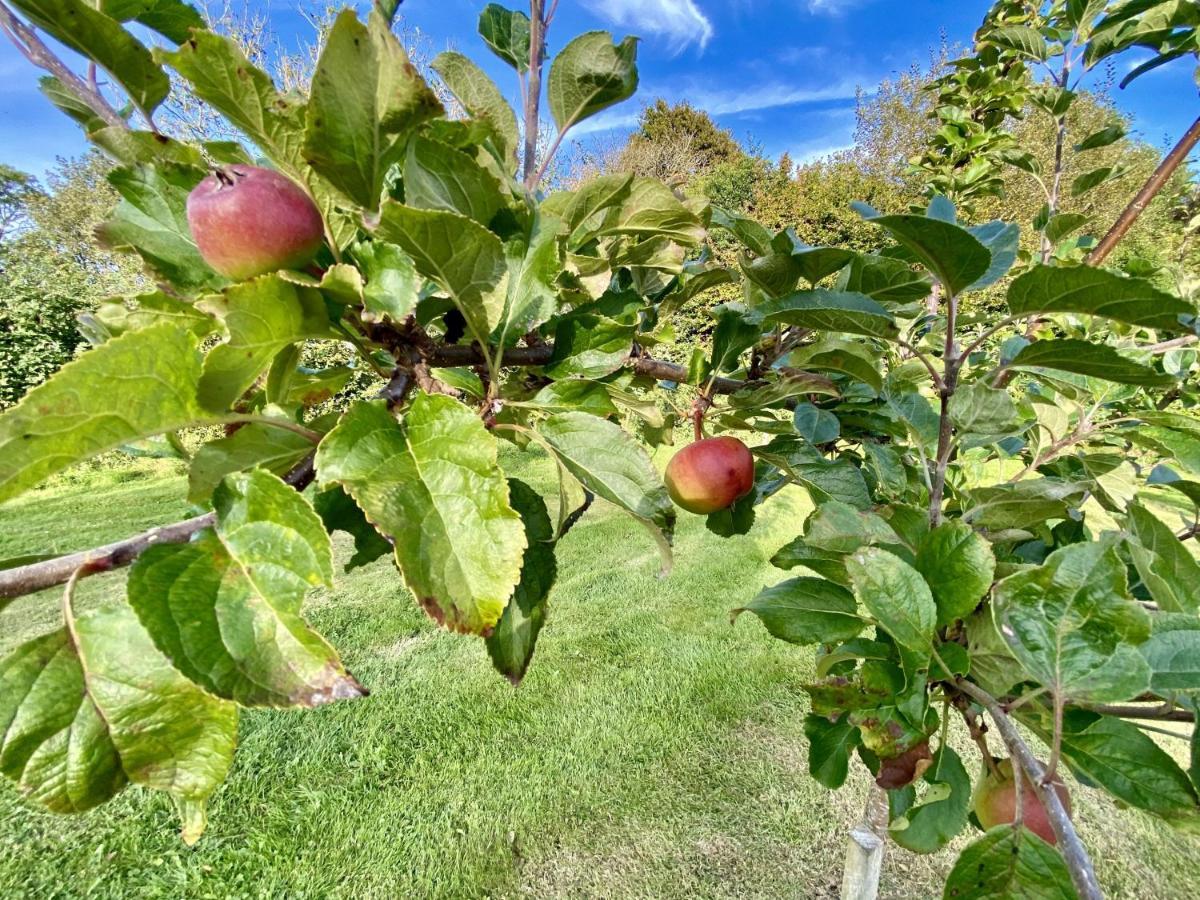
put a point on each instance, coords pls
(781, 73)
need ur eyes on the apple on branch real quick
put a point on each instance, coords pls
(710, 475)
(248, 221)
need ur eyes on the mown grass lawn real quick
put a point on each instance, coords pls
(653, 751)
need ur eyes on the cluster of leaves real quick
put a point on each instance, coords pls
(995, 501)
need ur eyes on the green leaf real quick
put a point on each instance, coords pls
(575, 395)
(219, 74)
(461, 256)
(1009, 862)
(590, 345)
(507, 34)
(1095, 178)
(81, 27)
(151, 220)
(955, 256)
(339, 512)
(364, 93)
(1104, 137)
(613, 466)
(512, 644)
(1127, 763)
(68, 103)
(1085, 290)
(815, 425)
(930, 824)
(437, 176)
(885, 280)
(652, 210)
(583, 211)
(533, 269)
(590, 74)
(958, 565)
(824, 310)
(1170, 573)
(251, 446)
(896, 595)
(824, 479)
(1087, 358)
(118, 316)
(806, 611)
(77, 414)
(225, 608)
(433, 485)
(1073, 627)
(393, 286)
(841, 528)
(1026, 504)
(979, 409)
(481, 98)
(1062, 225)
(1174, 659)
(734, 520)
(89, 708)
(829, 747)
(1021, 39)
(262, 317)
(832, 355)
(1002, 241)
(733, 335)
(172, 19)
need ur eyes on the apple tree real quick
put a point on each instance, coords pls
(1000, 506)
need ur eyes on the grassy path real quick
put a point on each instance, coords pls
(653, 751)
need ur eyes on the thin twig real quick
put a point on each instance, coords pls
(22, 580)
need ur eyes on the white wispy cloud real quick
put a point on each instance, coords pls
(832, 7)
(725, 101)
(680, 22)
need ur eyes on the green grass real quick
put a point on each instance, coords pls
(653, 751)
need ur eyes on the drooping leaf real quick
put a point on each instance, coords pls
(926, 824)
(461, 256)
(613, 466)
(173, 19)
(1009, 862)
(1001, 241)
(885, 280)
(225, 608)
(480, 98)
(829, 747)
(251, 446)
(1087, 358)
(733, 335)
(262, 317)
(958, 565)
(512, 644)
(896, 595)
(90, 32)
(339, 512)
(77, 414)
(87, 709)
(433, 485)
(806, 611)
(1170, 573)
(1087, 290)
(364, 93)
(1128, 764)
(119, 315)
(1174, 659)
(1074, 627)
(590, 74)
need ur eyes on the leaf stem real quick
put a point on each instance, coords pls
(313, 437)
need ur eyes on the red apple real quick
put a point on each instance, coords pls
(996, 802)
(248, 221)
(710, 475)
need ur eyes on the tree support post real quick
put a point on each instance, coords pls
(866, 848)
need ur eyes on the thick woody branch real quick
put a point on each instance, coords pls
(1079, 864)
(1171, 162)
(18, 582)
